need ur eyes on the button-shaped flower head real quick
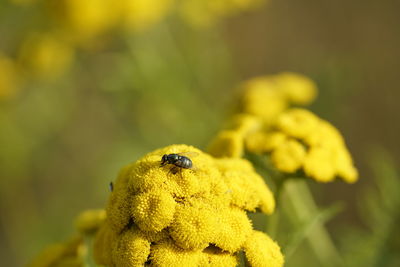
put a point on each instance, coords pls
(166, 215)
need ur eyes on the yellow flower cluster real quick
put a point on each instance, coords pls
(171, 216)
(73, 24)
(201, 13)
(295, 139)
(45, 56)
(73, 252)
(70, 253)
(91, 18)
(267, 96)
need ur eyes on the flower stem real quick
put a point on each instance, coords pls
(304, 209)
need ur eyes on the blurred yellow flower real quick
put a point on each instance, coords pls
(83, 20)
(298, 89)
(45, 56)
(9, 78)
(288, 156)
(70, 253)
(294, 138)
(139, 15)
(227, 143)
(189, 217)
(267, 96)
(202, 13)
(89, 221)
(310, 143)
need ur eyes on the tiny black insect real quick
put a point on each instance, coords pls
(177, 160)
(111, 186)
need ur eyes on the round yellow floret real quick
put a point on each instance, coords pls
(131, 249)
(262, 98)
(89, 221)
(153, 211)
(167, 254)
(234, 228)
(262, 251)
(194, 226)
(289, 156)
(227, 143)
(298, 123)
(298, 89)
(103, 245)
(262, 141)
(319, 164)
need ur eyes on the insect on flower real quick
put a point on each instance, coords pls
(179, 160)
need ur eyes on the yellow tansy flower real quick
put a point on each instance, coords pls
(89, 221)
(299, 140)
(203, 13)
(181, 217)
(139, 15)
(131, 249)
(298, 89)
(262, 141)
(268, 96)
(262, 98)
(288, 156)
(227, 143)
(45, 56)
(84, 20)
(262, 251)
(70, 253)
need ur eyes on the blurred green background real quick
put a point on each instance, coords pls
(75, 110)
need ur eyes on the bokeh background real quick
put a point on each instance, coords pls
(88, 86)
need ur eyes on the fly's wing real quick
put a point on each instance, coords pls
(189, 154)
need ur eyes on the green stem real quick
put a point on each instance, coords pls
(303, 209)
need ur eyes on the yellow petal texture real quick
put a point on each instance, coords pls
(194, 226)
(262, 251)
(89, 221)
(171, 216)
(233, 231)
(103, 245)
(153, 211)
(131, 249)
(214, 256)
(166, 253)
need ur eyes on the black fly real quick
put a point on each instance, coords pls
(178, 160)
